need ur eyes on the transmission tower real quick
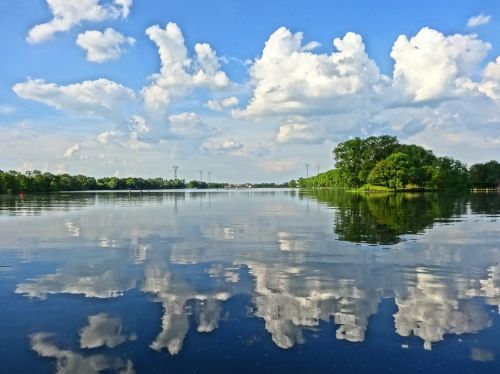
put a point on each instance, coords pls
(317, 167)
(201, 175)
(175, 167)
(307, 170)
(209, 175)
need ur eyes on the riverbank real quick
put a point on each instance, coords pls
(369, 188)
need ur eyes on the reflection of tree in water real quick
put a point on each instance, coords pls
(381, 218)
(485, 203)
(37, 204)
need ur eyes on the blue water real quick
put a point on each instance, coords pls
(249, 281)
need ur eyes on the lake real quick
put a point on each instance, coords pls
(250, 281)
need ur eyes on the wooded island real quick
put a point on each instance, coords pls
(382, 163)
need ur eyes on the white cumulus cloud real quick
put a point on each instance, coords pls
(480, 19)
(219, 105)
(189, 125)
(68, 13)
(179, 73)
(184, 117)
(106, 136)
(138, 126)
(71, 151)
(124, 7)
(290, 78)
(431, 65)
(221, 146)
(99, 96)
(299, 133)
(103, 46)
(490, 84)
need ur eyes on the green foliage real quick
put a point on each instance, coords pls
(270, 185)
(12, 180)
(417, 155)
(197, 184)
(419, 163)
(372, 188)
(35, 181)
(3, 182)
(392, 172)
(355, 158)
(329, 179)
(485, 175)
(348, 160)
(381, 162)
(447, 173)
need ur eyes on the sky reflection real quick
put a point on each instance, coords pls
(294, 258)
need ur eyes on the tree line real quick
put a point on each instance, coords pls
(382, 162)
(38, 182)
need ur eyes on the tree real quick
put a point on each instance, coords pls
(391, 172)
(420, 162)
(36, 181)
(485, 175)
(355, 158)
(348, 158)
(197, 184)
(448, 173)
(12, 181)
(3, 182)
(376, 149)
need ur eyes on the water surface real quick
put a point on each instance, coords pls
(250, 281)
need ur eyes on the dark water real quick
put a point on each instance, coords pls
(250, 281)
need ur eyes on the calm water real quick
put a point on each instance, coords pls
(250, 281)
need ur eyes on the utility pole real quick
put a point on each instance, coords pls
(307, 170)
(175, 167)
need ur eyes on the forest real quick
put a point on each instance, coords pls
(382, 163)
(38, 182)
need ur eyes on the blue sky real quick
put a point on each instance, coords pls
(244, 95)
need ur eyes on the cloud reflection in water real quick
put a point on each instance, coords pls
(305, 266)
